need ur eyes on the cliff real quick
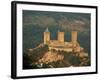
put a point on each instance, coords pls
(51, 57)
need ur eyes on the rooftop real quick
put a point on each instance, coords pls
(46, 30)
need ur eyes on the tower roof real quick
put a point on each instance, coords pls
(46, 30)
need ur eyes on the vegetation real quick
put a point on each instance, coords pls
(32, 57)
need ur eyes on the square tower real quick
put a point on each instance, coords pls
(46, 36)
(74, 37)
(61, 37)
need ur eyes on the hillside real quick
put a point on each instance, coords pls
(41, 57)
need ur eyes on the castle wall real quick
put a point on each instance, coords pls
(61, 49)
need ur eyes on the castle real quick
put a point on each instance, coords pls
(60, 44)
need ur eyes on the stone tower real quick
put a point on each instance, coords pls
(60, 36)
(46, 36)
(74, 38)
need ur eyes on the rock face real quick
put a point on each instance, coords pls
(51, 57)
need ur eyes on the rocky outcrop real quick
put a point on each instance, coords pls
(51, 57)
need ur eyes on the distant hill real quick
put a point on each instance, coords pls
(68, 21)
